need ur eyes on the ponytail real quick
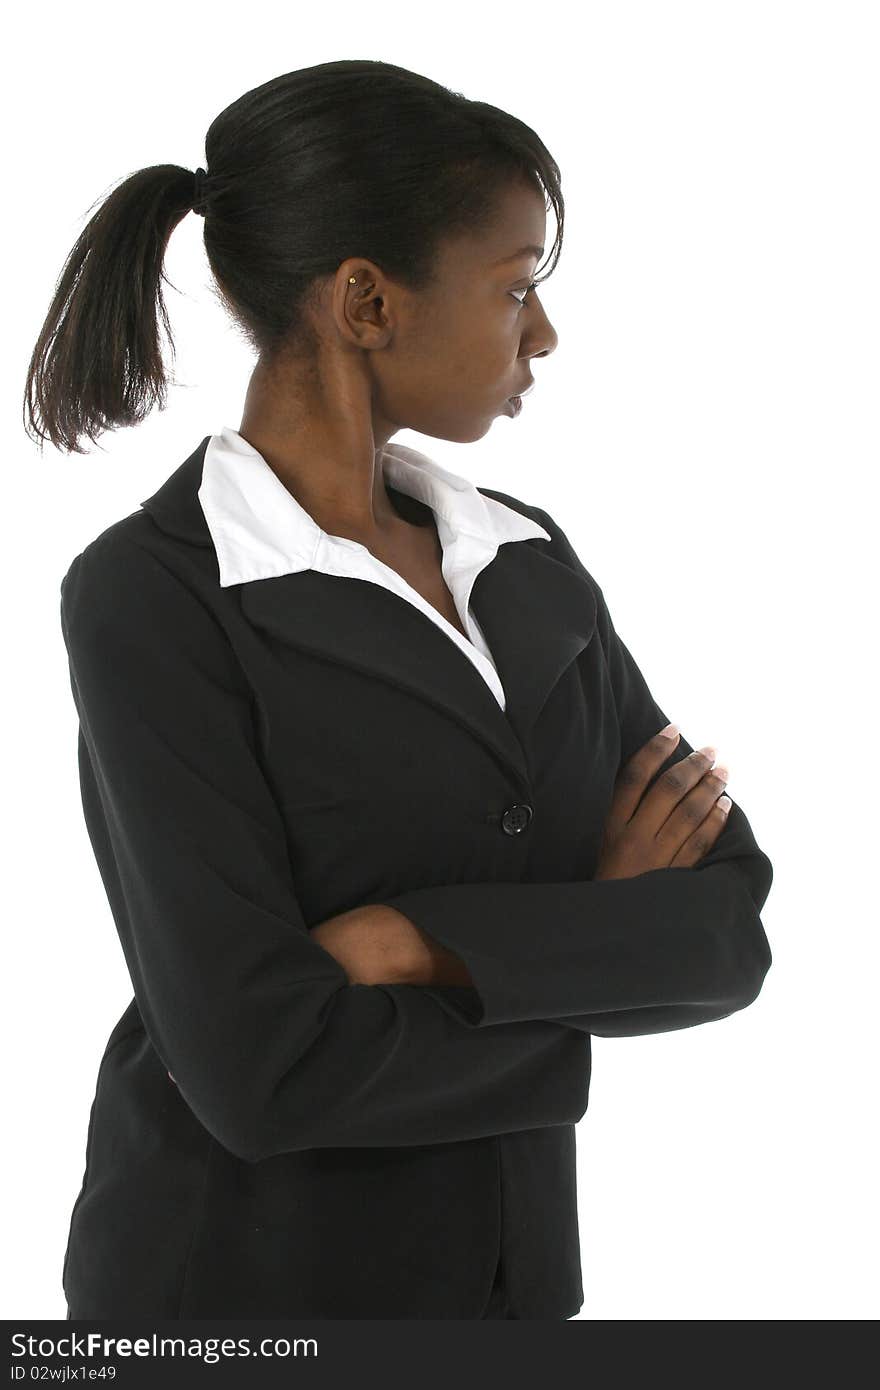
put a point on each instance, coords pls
(97, 363)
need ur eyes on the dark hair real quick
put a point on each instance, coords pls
(342, 159)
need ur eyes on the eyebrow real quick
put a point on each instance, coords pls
(523, 251)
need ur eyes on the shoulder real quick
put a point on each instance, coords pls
(559, 546)
(134, 583)
(527, 509)
(112, 568)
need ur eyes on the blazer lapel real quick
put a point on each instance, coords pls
(538, 615)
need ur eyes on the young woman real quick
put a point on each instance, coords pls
(383, 806)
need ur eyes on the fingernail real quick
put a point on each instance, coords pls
(670, 731)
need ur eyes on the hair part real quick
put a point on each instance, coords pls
(347, 158)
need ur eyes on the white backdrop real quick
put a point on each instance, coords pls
(707, 434)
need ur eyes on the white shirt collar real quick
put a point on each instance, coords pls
(260, 531)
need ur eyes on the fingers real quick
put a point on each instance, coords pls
(688, 815)
(704, 837)
(672, 790)
(634, 776)
(653, 807)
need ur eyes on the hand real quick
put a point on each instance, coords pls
(378, 945)
(672, 825)
(367, 942)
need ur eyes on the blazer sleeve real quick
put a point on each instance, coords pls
(667, 949)
(269, 1044)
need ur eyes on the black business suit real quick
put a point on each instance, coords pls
(257, 758)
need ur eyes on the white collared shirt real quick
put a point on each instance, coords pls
(260, 531)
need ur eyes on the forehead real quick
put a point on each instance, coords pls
(520, 253)
(516, 234)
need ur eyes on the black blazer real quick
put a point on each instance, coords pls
(256, 758)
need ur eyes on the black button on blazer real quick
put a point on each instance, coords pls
(257, 758)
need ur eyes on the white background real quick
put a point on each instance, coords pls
(707, 434)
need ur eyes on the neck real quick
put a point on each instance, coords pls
(326, 449)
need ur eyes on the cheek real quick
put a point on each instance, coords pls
(449, 361)
(482, 355)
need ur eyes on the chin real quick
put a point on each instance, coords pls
(457, 434)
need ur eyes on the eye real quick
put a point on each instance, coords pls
(528, 290)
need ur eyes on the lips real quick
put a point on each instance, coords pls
(529, 386)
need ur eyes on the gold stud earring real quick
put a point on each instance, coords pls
(352, 279)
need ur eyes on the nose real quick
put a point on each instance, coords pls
(546, 339)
